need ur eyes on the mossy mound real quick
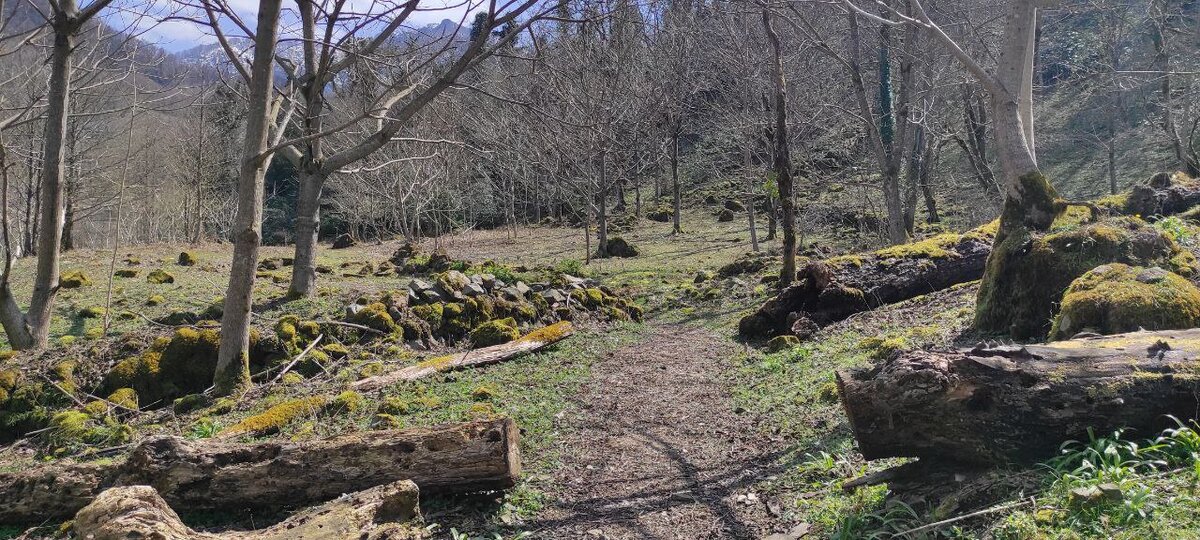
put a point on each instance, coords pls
(1116, 298)
(782, 343)
(186, 258)
(159, 277)
(661, 213)
(126, 273)
(619, 247)
(92, 312)
(495, 332)
(73, 280)
(155, 300)
(376, 317)
(746, 264)
(725, 215)
(1028, 272)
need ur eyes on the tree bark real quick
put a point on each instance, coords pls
(233, 368)
(207, 475)
(783, 161)
(676, 189)
(377, 513)
(307, 225)
(1019, 404)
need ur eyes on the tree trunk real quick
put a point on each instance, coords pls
(783, 161)
(602, 216)
(1019, 404)
(750, 200)
(676, 195)
(207, 475)
(307, 225)
(233, 361)
(380, 512)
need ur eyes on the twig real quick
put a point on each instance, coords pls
(64, 391)
(297, 359)
(985, 511)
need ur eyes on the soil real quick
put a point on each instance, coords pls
(657, 449)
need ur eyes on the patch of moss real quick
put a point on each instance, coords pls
(279, 416)
(376, 317)
(155, 300)
(186, 258)
(348, 401)
(495, 332)
(73, 280)
(937, 247)
(1117, 298)
(1028, 272)
(883, 348)
(550, 333)
(190, 403)
(126, 273)
(782, 343)
(336, 350)
(92, 312)
(484, 393)
(96, 409)
(370, 369)
(430, 313)
(159, 277)
(125, 397)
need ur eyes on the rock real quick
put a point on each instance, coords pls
(1115, 298)
(489, 281)
(511, 293)
(522, 288)
(734, 205)
(539, 287)
(553, 296)
(474, 289)
(738, 282)
(796, 533)
(619, 247)
(725, 215)
(344, 241)
(186, 258)
(353, 309)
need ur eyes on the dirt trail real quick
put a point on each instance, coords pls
(656, 450)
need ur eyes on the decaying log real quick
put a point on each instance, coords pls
(384, 512)
(829, 291)
(1163, 195)
(1020, 403)
(534, 341)
(210, 475)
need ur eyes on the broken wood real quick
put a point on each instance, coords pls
(209, 475)
(1018, 404)
(383, 512)
(534, 341)
(829, 291)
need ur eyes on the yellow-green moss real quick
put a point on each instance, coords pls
(782, 343)
(125, 397)
(190, 403)
(937, 247)
(348, 401)
(275, 418)
(550, 333)
(495, 332)
(881, 349)
(375, 316)
(159, 277)
(71, 427)
(96, 409)
(336, 350)
(156, 300)
(484, 393)
(430, 313)
(291, 378)
(73, 280)
(481, 411)
(438, 363)
(1116, 298)
(9, 378)
(92, 312)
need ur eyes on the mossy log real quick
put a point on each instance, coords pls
(531, 342)
(1019, 404)
(269, 476)
(384, 512)
(829, 291)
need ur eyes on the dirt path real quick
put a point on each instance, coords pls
(656, 450)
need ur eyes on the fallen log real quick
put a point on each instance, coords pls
(534, 341)
(1163, 194)
(210, 475)
(829, 291)
(382, 512)
(1018, 404)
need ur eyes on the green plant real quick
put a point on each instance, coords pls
(573, 267)
(1178, 229)
(204, 428)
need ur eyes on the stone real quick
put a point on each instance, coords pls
(553, 296)
(344, 241)
(353, 309)
(522, 288)
(474, 289)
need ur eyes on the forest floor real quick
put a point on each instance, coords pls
(667, 429)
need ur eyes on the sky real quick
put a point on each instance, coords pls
(174, 35)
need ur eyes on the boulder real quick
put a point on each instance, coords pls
(1116, 298)
(344, 241)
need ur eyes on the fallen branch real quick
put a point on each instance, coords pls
(206, 475)
(536, 340)
(386, 511)
(297, 359)
(352, 325)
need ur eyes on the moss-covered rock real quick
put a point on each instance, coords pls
(375, 316)
(661, 213)
(124, 397)
(155, 300)
(186, 258)
(92, 312)
(73, 280)
(126, 273)
(191, 402)
(1116, 298)
(160, 277)
(1028, 271)
(348, 401)
(495, 332)
(620, 247)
